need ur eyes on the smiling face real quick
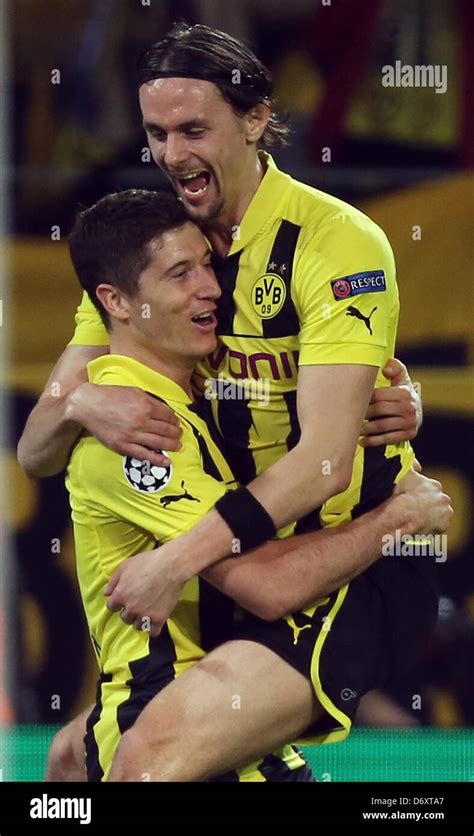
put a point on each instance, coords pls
(205, 149)
(172, 314)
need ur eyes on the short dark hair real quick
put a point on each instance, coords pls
(201, 52)
(109, 241)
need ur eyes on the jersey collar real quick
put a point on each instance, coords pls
(118, 370)
(264, 205)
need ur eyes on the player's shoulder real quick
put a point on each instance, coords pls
(103, 477)
(90, 462)
(91, 466)
(328, 222)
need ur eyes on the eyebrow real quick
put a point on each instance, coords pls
(185, 262)
(150, 127)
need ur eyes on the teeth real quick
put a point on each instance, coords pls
(198, 191)
(190, 176)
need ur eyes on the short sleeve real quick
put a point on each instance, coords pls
(161, 501)
(346, 294)
(90, 330)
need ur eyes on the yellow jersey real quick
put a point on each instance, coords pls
(122, 506)
(308, 280)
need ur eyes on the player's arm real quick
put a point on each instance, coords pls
(279, 577)
(123, 418)
(316, 469)
(55, 422)
(284, 576)
(331, 403)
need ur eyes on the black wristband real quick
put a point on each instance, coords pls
(246, 518)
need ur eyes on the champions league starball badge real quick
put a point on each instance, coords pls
(144, 476)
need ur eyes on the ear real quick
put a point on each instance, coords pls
(114, 301)
(255, 122)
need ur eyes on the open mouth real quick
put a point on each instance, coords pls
(206, 321)
(195, 184)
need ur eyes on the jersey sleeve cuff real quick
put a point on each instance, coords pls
(89, 336)
(354, 354)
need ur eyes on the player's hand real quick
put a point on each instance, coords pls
(146, 588)
(127, 420)
(395, 413)
(427, 504)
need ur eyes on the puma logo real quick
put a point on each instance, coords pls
(167, 500)
(296, 630)
(354, 312)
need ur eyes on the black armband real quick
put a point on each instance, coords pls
(246, 518)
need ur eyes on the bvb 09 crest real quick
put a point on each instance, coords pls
(268, 295)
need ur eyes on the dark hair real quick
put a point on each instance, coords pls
(201, 52)
(109, 241)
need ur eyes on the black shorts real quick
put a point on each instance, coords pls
(369, 632)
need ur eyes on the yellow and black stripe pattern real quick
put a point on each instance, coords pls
(120, 509)
(308, 280)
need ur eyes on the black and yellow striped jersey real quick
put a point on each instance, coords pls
(308, 280)
(122, 506)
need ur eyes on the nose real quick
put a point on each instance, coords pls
(207, 286)
(176, 152)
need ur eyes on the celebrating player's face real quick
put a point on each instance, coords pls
(173, 311)
(198, 141)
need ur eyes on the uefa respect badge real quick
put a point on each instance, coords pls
(370, 282)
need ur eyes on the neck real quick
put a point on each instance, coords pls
(221, 231)
(179, 371)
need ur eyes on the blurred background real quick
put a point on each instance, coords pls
(403, 155)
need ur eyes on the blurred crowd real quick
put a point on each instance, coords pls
(76, 125)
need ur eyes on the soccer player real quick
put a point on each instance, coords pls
(137, 253)
(309, 303)
(129, 251)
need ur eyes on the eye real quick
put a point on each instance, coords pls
(180, 275)
(195, 133)
(159, 136)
